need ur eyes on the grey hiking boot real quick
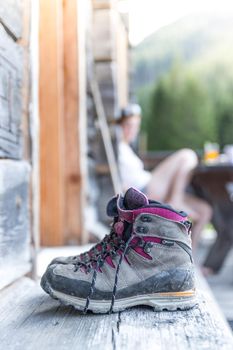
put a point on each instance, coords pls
(145, 260)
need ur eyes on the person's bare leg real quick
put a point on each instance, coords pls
(171, 176)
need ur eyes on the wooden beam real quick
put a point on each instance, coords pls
(74, 124)
(51, 96)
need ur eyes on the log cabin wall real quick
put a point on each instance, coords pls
(15, 150)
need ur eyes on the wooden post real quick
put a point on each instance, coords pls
(51, 95)
(62, 113)
(74, 121)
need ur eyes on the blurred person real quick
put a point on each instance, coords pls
(170, 178)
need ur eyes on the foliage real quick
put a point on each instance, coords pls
(177, 112)
(190, 100)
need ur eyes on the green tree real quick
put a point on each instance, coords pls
(178, 112)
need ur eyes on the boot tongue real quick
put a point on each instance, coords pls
(134, 199)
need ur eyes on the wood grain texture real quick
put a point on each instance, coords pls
(11, 16)
(74, 124)
(30, 319)
(11, 68)
(62, 122)
(14, 220)
(51, 97)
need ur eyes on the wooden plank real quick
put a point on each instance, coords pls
(11, 17)
(30, 319)
(14, 220)
(36, 321)
(11, 68)
(51, 97)
(200, 328)
(74, 121)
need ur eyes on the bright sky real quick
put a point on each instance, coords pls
(146, 16)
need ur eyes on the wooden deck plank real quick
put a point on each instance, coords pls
(30, 319)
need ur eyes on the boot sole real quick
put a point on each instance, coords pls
(171, 301)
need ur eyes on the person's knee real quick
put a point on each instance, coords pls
(188, 158)
(189, 155)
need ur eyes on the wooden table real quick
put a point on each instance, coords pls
(214, 183)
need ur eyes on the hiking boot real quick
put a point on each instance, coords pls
(145, 260)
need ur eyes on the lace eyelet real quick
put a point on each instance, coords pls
(142, 229)
(147, 247)
(146, 218)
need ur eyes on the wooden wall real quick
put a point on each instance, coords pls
(15, 169)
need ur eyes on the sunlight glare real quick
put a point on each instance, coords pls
(147, 16)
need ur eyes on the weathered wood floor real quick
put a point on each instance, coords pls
(30, 319)
(222, 287)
